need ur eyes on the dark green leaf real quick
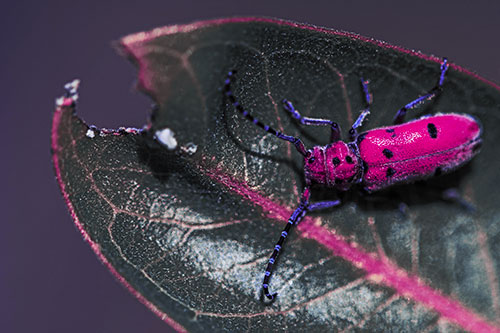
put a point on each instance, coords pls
(190, 233)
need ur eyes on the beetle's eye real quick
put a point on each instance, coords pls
(311, 160)
(336, 161)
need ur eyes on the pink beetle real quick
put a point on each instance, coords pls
(403, 153)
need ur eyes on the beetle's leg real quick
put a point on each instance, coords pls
(335, 136)
(452, 194)
(322, 205)
(296, 217)
(400, 115)
(353, 132)
(227, 90)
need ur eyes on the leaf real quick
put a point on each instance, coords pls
(190, 233)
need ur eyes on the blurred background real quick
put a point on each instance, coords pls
(50, 280)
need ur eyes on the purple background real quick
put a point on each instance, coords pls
(50, 280)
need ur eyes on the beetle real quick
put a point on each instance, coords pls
(378, 158)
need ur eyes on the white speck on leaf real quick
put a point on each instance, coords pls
(59, 101)
(166, 138)
(190, 148)
(72, 86)
(90, 133)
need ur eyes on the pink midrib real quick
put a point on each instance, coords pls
(381, 271)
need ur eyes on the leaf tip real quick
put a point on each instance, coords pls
(71, 95)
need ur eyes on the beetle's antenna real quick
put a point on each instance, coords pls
(227, 90)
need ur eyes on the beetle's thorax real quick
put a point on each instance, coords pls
(334, 165)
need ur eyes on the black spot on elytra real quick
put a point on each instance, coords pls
(336, 161)
(390, 172)
(438, 171)
(349, 160)
(387, 153)
(391, 130)
(431, 128)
